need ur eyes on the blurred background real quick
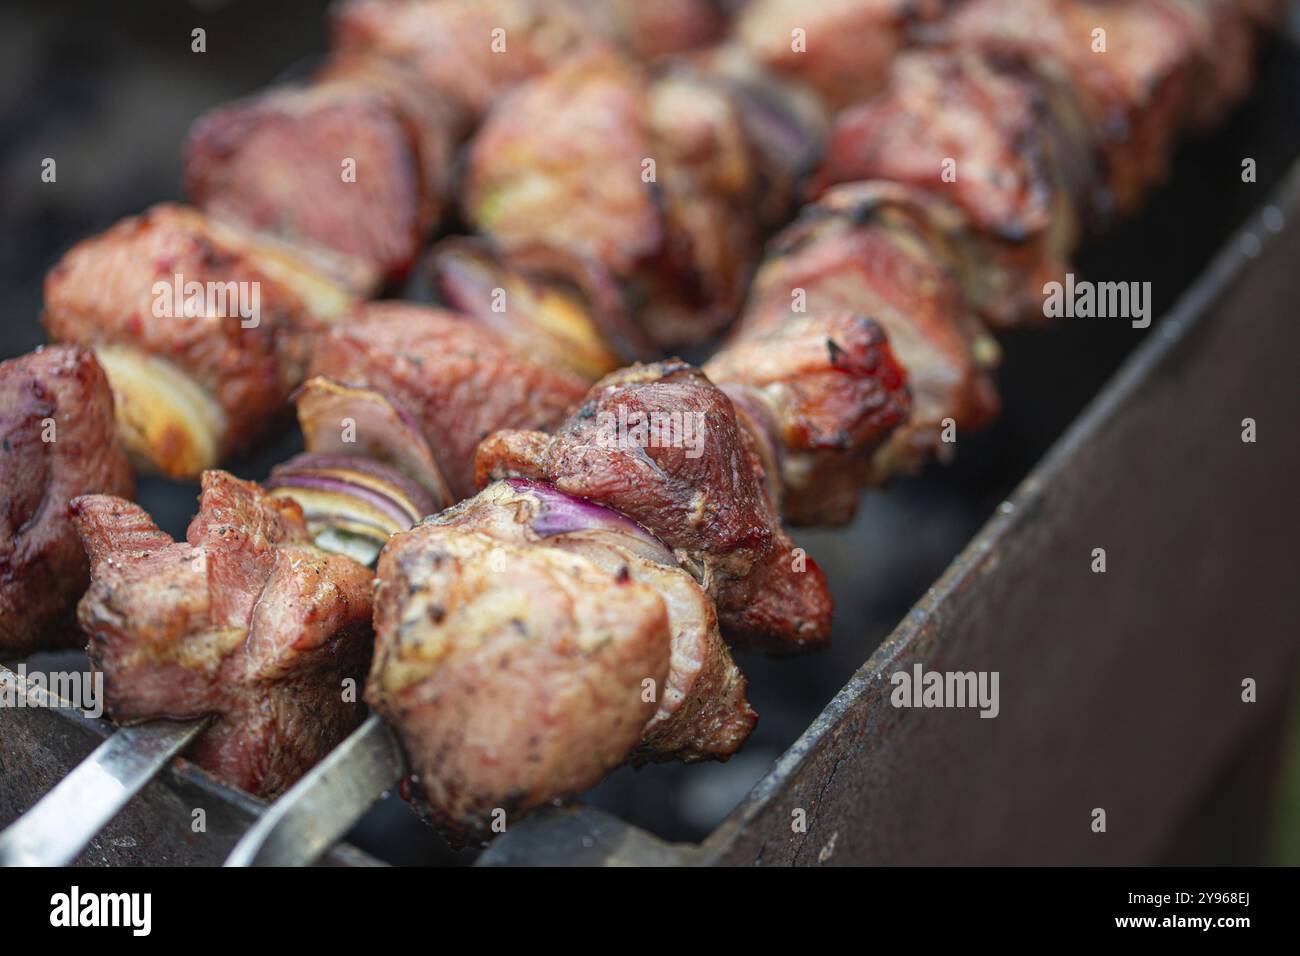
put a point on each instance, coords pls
(109, 90)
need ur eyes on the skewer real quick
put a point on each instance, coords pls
(67, 818)
(320, 808)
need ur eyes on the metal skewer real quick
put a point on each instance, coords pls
(67, 818)
(319, 809)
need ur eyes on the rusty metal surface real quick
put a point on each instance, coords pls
(40, 744)
(1121, 690)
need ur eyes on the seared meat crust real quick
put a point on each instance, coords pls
(107, 293)
(983, 135)
(651, 182)
(707, 498)
(513, 673)
(275, 162)
(458, 382)
(57, 441)
(702, 714)
(871, 248)
(830, 390)
(245, 620)
(1164, 60)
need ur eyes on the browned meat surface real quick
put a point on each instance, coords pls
(869, 249)
(1162, 59)
(245, 619)
(702, 711)
(653, 183)
(450, 43)
(278, 162)
(984, 136)
(661, 444)
(841, 48)
(828, 387)
(514, 674)
(57, 441)
(191, 386)
(456, 381)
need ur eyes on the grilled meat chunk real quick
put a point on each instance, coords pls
(57, 441)
(457, 382)
(514, 674)
(985, 136)
(702, 711)
(1137, 90)
(471, 52)
(203, 329)
(652, 182)
(841, 48)
(245, 619)
(872, 249)
(822, 392)
(357, 162)
(661, 444)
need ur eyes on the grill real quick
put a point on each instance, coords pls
(1120, 691)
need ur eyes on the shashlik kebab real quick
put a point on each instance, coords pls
(444, 619)
(301, 234)
(533, 461)
(188, 399)
(421, 387)
(359, 160)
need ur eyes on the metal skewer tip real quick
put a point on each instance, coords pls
(67, 818)
(319, 809)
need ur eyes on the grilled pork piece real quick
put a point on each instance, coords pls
(1162, 61)
(57, 441)
(203, 329)
(661, 444)
(245, 619)
(514, 673)
(471, 52)
(652, 183)
(985, 136)
(841, 48)
(877, 250)
(357, 162)
(456, 382)
(702, 711)
(821, 393)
